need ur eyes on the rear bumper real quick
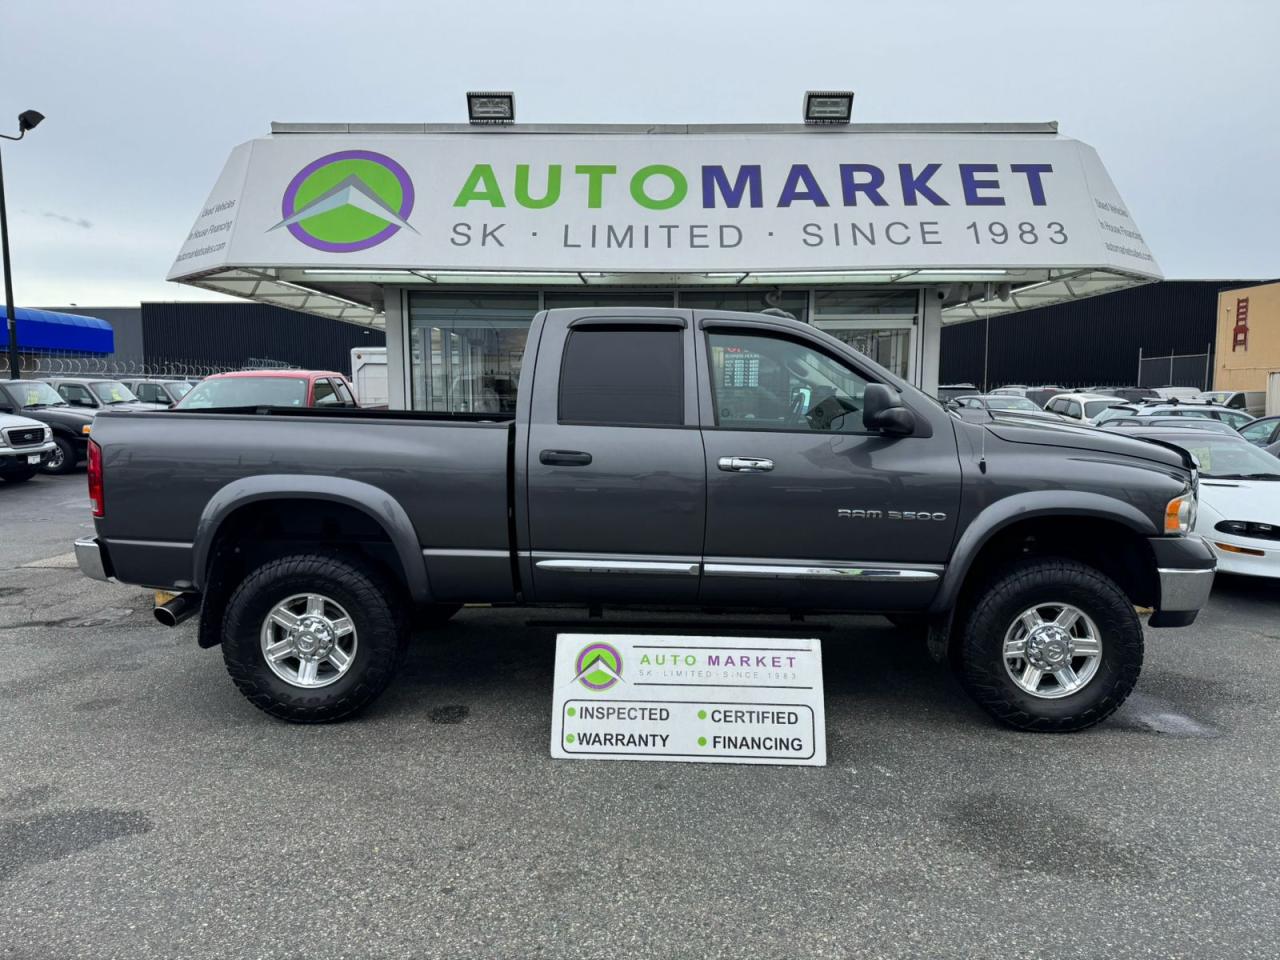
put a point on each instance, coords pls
(1186, 568)
(92, 559)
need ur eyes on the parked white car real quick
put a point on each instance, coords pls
(1239, 515)
(24, 445)
(1081, 407)
(1252, 402)
(1178, 393)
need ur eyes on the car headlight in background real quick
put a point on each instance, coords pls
(1248, 528)
(1180, 514)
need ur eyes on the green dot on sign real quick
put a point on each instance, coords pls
(573, 712)
(568, 738)
(702, 714)
(702, 741)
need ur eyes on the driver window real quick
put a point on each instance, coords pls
(768, 383)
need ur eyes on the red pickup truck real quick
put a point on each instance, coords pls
(270, 388)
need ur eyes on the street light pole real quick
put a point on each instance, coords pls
(27, 120)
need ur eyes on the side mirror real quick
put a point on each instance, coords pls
(883, 411)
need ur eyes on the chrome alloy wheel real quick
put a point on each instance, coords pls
(1052, 650)
(308, 640)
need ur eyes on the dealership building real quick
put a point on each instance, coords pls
(451, 237)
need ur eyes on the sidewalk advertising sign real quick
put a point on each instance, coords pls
(752, 700)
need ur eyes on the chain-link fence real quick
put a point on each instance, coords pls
(1176, 370)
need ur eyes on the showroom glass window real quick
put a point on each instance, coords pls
(623, 376)
(770, 383)
(466, 349)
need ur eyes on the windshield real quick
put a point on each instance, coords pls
(1011, 403)
(1094, 407)
(34, 394)
(1226, 458)
(1111, 413)
(179, 389)
(246, 392)
(109, 391)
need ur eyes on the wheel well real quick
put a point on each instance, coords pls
(1106, 545)
(260, 531)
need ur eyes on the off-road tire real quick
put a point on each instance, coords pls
(979, 658)
(375, 605)
(68, 462)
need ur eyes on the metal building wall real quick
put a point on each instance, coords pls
(1093, 341)
(230, 335)
(126, 322)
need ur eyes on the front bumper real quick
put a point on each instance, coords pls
(22, 454)
(1186, 568)
(92, 559)
(1262, 558)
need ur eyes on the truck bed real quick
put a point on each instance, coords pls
(168, 472)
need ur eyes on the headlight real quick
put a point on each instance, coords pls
(48, 434)
(1180, 514)
(86, 429)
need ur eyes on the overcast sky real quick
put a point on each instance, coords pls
(145, 99)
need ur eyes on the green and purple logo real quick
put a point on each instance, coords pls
(347, 201)
(598, 666)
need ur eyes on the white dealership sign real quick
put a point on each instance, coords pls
(667, 203)
(693, 699)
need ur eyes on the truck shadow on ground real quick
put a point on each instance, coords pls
(499, 657)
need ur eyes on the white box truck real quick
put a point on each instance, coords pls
(369, 375)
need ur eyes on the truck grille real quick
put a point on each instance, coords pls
(24, 436)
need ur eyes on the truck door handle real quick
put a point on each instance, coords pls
(564, 458)
(745, 464)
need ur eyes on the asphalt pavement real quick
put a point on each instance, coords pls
(148, 810)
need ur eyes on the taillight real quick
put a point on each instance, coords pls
(95, 480)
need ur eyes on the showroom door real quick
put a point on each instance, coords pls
(801, 499)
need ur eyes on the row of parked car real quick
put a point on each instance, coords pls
(45, 424)
(1238, 454)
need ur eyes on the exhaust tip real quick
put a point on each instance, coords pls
(180, 608)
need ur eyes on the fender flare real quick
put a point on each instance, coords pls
(376, 503)
(1025, 506)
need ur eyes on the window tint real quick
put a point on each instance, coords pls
(624, 376)
(325, 395)
(768, 383)
(1073, 409)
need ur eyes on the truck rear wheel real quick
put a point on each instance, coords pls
(313, 638)
(1050, 645)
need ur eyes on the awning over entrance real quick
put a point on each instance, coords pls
(323, 217)
(46, 330)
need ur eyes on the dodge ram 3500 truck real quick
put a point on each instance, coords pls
(656, 456)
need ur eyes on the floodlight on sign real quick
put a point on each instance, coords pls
(491, 107)
(828, 106)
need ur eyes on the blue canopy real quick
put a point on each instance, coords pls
(46, 330)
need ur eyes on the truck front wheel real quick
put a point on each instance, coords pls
(313, 638)
(1050, 645)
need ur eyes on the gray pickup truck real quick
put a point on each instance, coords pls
(656, 456)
